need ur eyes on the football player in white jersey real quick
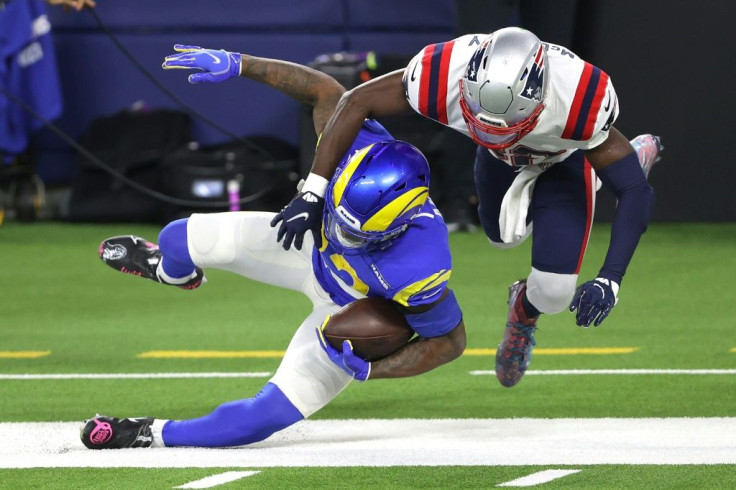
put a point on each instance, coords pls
(543, 119)
(379, 214)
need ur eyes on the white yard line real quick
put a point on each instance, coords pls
(577, 372)
(405, 442)
(549, 372)
(220, 479)
(133, 375)
(538, 478)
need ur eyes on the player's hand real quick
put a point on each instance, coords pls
(218, 65)
(302, 214)
(594, 301)
(347, 360)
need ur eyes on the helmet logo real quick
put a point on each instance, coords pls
(471, 73)
(534, 78)
(349, 218)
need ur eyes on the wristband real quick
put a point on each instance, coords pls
(316, 184)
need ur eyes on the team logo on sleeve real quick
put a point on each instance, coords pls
(534, 75)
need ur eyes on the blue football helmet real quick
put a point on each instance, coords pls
(375, 196)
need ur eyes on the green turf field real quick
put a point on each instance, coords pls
(63, 311)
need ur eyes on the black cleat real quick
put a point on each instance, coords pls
(104, 432)
(136, 256)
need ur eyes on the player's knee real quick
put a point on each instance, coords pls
(212, 238)
(549, 292)
(172, 241)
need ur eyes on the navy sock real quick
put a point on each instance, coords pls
(529, 308)
(172, 241)
(235, 423)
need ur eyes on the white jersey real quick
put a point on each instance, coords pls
(580, 104)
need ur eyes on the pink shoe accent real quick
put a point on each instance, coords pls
(101, 433)
(101, 250)
(125, 270)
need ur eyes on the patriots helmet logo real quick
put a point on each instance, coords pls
(471, 72)
(534, 75)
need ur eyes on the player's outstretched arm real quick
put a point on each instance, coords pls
(297, 81)
(382, 96)
(618, 167)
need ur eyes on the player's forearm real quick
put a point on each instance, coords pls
(383, 96)
(421, 355)
(298, 81)
(635, 199)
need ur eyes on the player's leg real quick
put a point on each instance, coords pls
(305, 381)
(562, 212)
(245, 243)
(242, 242)
(492, 179)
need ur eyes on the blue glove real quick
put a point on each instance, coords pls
(355, 366)
(218, 65)
(594, 301)
(302, 214)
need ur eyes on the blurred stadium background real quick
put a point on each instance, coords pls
(669, 61)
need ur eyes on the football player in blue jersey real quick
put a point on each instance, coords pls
(378, 214)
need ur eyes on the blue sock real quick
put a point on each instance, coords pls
(172, 241)
(235, 423)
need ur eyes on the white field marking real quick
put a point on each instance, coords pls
(221, 479)
(549, 372)
(404, 442)
(538, 478)
(576, 372)
(133, 375)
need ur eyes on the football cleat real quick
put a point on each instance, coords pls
(648, 148)
(136, 256)
(103, 432)
(515, 351)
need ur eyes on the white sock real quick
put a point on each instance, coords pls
(157, 428)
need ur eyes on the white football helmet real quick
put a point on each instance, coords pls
(503, 89)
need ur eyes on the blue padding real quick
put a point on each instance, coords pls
(235, 423)
(403, 14)
(439, 320)
(173, 243)
(240, 14)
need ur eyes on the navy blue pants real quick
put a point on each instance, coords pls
(561, 209)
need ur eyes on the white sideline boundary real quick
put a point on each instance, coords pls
(208, 375)
(404, 442)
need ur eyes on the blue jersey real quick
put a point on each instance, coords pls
(412, 271)
(28, 71)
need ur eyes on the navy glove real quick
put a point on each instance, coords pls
(594, 300)
(302, 214)
(355, 366)
(218, 65)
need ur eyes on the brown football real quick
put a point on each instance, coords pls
(375, 326)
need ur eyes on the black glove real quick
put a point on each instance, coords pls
(302, 214)
(594, 301)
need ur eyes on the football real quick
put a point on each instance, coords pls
(375, 326)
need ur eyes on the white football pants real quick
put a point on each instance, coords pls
(245, 243)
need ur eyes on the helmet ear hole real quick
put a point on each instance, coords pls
(401, 187)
